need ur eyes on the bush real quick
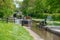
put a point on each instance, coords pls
(1, 15)
(56, 17)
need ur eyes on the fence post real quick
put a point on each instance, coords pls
(7, 20)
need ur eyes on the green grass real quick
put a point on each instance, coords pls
(10, 31)
(57, 23)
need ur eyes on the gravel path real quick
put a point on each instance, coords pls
(33, 34)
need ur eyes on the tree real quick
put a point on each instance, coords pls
(6, 7)
(36, 8)
(33, 6)
(53, 5)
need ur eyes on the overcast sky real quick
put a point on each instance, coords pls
(17, 5)
(18, 0)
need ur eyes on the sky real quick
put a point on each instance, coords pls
(17, 5)
(18, 0)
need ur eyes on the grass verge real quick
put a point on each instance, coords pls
(10, 31)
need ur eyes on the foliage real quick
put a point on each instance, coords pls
(24, 7)
(6, 7)
(36, 8)
(54, 5)
(13, 32)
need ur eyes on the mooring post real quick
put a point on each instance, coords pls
(7, 19)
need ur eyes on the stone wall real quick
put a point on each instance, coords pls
(48, 35)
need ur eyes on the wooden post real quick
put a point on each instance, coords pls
(7, 20)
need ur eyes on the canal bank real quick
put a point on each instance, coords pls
(47, 32)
